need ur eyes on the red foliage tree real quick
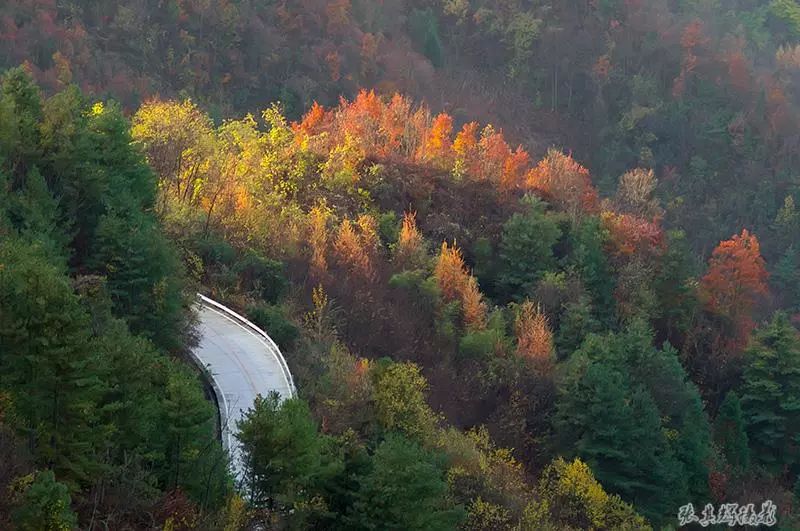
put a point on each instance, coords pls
(736, 277)
(632, 235)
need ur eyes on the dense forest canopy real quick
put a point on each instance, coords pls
(533, 264)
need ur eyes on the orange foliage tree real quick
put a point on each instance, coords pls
(312, 121)
(409, 251)
(472, 305)
(352, 250)
(565, 183)
(534, 336)
(437, 147)
(632, 235)
(514, 169)
(736, 277)
(456, 283)
(494, 151)
(399, 130)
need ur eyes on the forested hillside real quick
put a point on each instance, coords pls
(533, 265)
(703, 92)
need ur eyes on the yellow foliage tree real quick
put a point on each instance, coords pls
(569, 497)
(368, 228)
(318, 240)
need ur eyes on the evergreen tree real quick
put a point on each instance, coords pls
(283, 453)
(67, 151)
(617, 431)
(577, 322)
(730, 434)
(131, 182)
(34, 212)
(785, 277)
(21, 113)
(47, 363)
(143, 274)
(526, 248)
(636, 420)
(44, 506)
(591, 263)
(771, 394)
(190, 458)
(674, 288)
(405, 489)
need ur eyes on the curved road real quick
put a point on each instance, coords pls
(241, 362)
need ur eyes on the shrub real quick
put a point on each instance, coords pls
(262, 276)
(273, 320)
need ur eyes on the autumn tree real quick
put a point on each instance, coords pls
(318, 239)
(436, 147)
(456, 283)
(534, 336)
(349, 391)
(465, 148)
(351, 250)
(401, 402)
(494, 151)
(409, 251)
(177, 138)
(313, 121)
(569, 495)
(735, 279)
(635, 194)
(514, 169)
(560, 179)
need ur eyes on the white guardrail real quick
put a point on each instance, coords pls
(287, 375)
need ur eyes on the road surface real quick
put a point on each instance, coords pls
(241, 362)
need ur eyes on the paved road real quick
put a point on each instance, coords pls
(242, 364)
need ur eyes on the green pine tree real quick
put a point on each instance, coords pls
(636, 420)
(771, 394)
(44, 506)
(730, 434)
(526, 248)
(404, 490)
(47, 363)
(283, 453)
